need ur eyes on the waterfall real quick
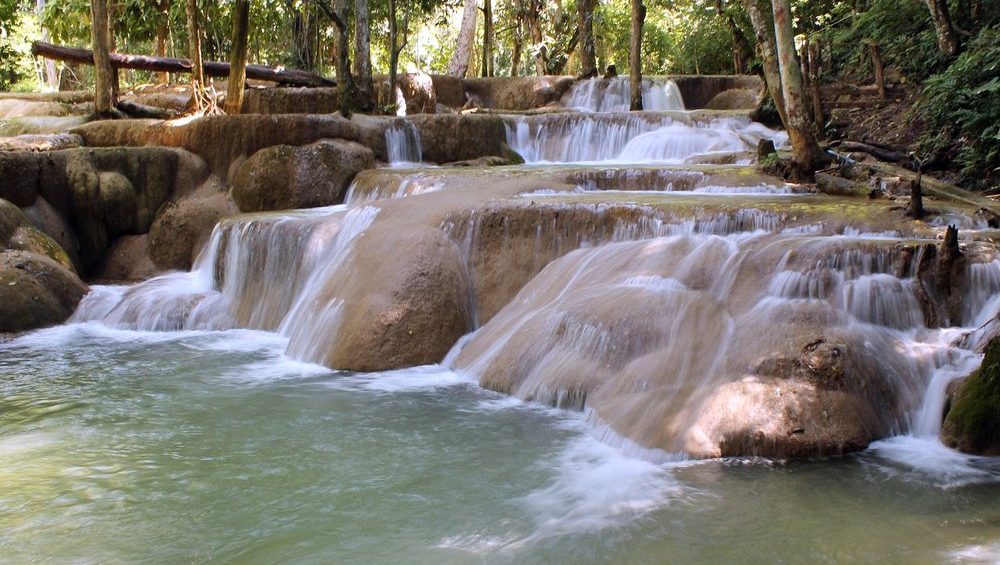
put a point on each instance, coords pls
(402, 142)
(267, 272)
(614, 95)
(631, 137)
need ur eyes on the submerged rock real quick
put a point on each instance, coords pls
(972, 424)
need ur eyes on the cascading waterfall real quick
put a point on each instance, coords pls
(402, 142)
(663, 338)
(614, 95)
(631, 137)
(265, 272)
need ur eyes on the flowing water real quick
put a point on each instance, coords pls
(183, 420)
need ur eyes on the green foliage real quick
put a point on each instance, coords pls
(10, 69)
(902, 29)
(962, 105)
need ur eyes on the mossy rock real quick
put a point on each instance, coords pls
(35, 291)
(27, 238)
(973, 423)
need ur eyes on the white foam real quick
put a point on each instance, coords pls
(927, 460)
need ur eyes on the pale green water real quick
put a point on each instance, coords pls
(125, 447)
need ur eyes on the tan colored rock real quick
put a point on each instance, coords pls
(181, 230)
(35, 291)
(449, 138)
(127, 259)
(285, 177)
(734, 99)
(221, 140)
(409, 306)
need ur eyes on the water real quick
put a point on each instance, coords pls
(124, 446)
(663, 138)
(184, 420)
(402, 141)
(614, 95)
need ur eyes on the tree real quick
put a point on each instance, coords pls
(808, 155)
(533, 19)
(162, 35)
(395, 47)
(238, 59)
(741, 48)
(635, 54)
(198, 94)
(947, 38)
(588, 55)
(764, 30)
(363, 55)
(488, 38)
(100, 39)
(460, 59)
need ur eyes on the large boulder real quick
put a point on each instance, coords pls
(35, 291)
(972, 424)
(284, 177)
(181, 230)
(408, 302)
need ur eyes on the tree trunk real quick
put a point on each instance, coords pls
(51, 74)
(238, 59)
(393, 53)
(635, 54)
(487, 38)
(947, 38)
(302, 34)
(518, 33)
(460, 59)
(808, 155)
(363, 55)
(879, 69)
(535, 28)
(741, 47)
(194, 54)
(819, 118)
(162, 36)
(588, 51)
(100, 34)
(764, 31)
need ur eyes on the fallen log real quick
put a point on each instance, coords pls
(292, 77)
(879, 152)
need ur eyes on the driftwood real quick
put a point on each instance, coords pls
(293, 77)
(880, 152)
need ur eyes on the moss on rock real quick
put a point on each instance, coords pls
(973, 423)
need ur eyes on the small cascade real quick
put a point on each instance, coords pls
(631, 138)
(269, 272)
(614, 95)
(402, 142)
(379, 184)
(601, 325)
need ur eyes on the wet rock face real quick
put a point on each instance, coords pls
(285, 177)
(182, 228)
(972, 424)
(85, 198)
(449, 138)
